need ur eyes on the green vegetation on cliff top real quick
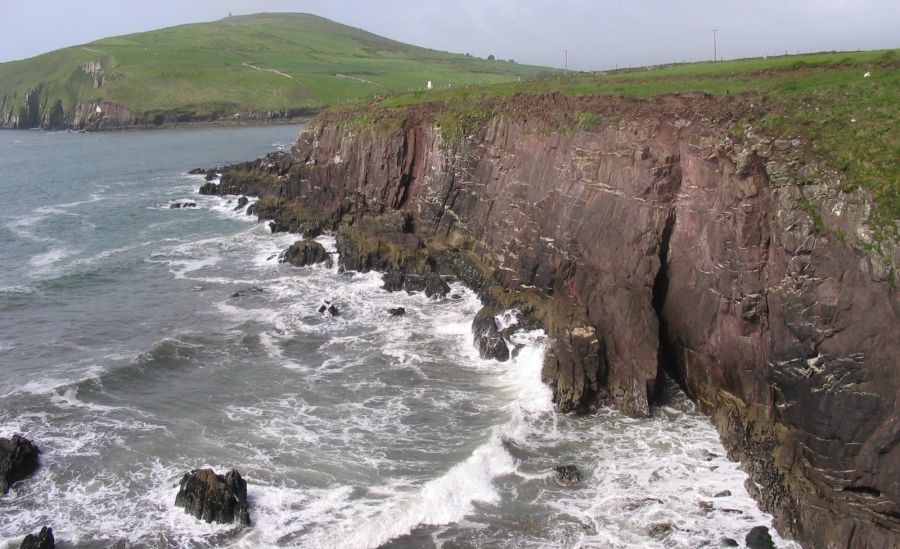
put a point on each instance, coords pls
(842, 116)
(248, 64)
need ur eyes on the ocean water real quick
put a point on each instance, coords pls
(126, 356)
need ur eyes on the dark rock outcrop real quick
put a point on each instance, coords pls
(658, 242)
(486, 336)
(397, 311)
(759, 538)
(18, 460)
(567, 475)
(181, 205)
(42, 540)
(214, 498)
(306, 252)
(241, 203)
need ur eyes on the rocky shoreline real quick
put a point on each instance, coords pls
(654, 242)
(36, 113)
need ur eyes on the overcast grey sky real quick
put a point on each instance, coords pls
(599, 34)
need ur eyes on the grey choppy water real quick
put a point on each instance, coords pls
(126, 358)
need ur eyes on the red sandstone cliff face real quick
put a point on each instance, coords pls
(651, 242)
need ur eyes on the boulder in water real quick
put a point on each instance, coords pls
(43, 540)
(181, 205)
(487, 338)
(567, 475)
(214, 498)
(306, 252)
(759, 538)
(397, 311)
(729, 542)
(197, 171)
(18, 460)
(242, 203)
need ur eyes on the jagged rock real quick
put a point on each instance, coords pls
(659, 530)
(567, 475)
(486, 336)
(197, 171)
(241, 203)
(247, 291)
(723, 494)
(209, 189)
(42, 540)
(180, 205)
(211, 174)
(759, 538)
(307, 252)
(18, 460)
(252, 209)
(214, 498)
(398, 311)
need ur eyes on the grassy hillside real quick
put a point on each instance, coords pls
(842, 117)
(259, 63)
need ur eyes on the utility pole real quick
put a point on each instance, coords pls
(715, 46)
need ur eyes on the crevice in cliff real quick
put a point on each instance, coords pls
(667, 360)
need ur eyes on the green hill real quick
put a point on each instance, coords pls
(258, 66)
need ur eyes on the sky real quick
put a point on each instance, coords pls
(598, 34)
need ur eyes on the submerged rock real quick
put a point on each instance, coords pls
(487, 338)
(247, 291)
(729, 542)
(759, 538)
(18, 460)
(567, 475)
(306, 252)
(660, 530)
(397, 311)
(330, 308)
(214, 498)
(42, 540)
(181, 205)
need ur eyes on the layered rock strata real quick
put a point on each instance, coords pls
(652, 241)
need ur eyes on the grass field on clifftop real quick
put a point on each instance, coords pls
(843, 117)
(265, 62)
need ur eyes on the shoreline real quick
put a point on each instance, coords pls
(220, 123)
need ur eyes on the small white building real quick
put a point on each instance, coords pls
(430, 85)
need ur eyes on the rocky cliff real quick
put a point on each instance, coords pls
(39, 110)
(645, 238)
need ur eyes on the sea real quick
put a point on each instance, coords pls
(140, 341)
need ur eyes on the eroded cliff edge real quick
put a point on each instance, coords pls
(645, 238)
